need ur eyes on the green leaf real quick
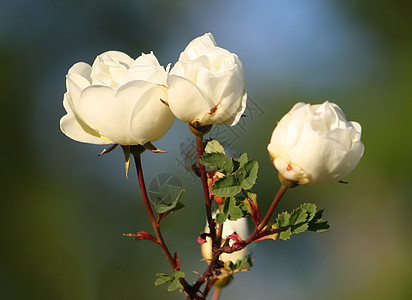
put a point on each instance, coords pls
(300, 228)
(247, 174)
(285, 235)
(163, 278)
(318, 224)
(217, 161)
(234, 211)
(221, 217)
(303, 218)
(244, 264)
(298, 216)
(173, 285)
(230, 210)
(240, 162)
(311, 209)
(214, 146)
(226, 187)
(283, 219)
(173, 205)
(179, 274)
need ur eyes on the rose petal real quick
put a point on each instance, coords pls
(110, 111)
(185, 100)
(75, 129)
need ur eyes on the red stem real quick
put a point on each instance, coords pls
(268, 215)
(188, 289)
(208, 202)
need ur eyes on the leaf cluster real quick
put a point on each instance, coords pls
(238, 173)
(172, 281)
(306, 217)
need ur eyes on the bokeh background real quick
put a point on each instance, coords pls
(63, 209)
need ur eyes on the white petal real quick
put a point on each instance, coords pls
(82, 69)
(186, 101)
(110, 111)
(198, 46)
(75, 84)
(110, 68)
(77, 130)
(146, 67)
(320, 158)
(152, 120)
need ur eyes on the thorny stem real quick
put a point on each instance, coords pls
(268, 215)
(187, 288)
(192, 291)
(208, 202)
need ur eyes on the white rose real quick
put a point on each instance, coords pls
(117, 100)
(315, 144)
(239, 226)
(207, 84)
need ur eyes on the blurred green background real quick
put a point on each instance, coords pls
(63, 209)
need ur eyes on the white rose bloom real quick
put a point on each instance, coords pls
(207, 84)
(117, 100)
(315, 144)
(239, 226)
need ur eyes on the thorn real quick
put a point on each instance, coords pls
(151, 147)
(107, 150)
(126, 151)
(344, 182)
(129, 234)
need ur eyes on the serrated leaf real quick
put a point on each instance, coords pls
(173, 205)
(318, 224)
(221, 217)
(214, 146)
(247, 174)
(240, 162)
(311, 210)
(298, 215)
(226, 187)
(234, 211)
(244, 264)
(300, 228)
(217, 161)
(283, 220)
(229, 210)
(285, 235)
